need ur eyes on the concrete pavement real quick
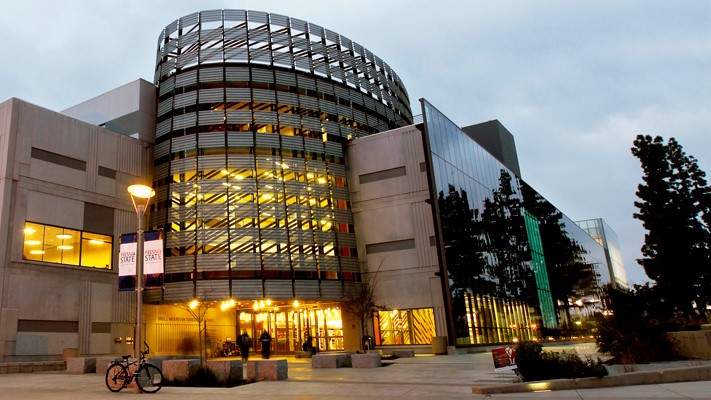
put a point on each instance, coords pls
(421, 377)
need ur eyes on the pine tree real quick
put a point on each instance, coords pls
(569, 275)
(503, 222)
(674, 209)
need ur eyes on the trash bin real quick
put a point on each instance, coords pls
(70, 352)
(439, 345)
(266, 341)
(368, 343)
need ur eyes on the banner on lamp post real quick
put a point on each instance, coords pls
(152, 260)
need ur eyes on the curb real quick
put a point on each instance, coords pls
(687, 374)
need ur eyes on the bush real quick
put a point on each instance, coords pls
(204, 377)
(534, 364)
(636, 330)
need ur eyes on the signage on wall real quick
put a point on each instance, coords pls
(504, 358)
(152, 260)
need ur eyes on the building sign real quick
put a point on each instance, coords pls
(504, 358)
(152, 260)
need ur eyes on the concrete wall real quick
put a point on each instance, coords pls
(46, 307)
(691, 344)
(129, 110)
(389, 194)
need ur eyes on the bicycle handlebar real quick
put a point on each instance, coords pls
(148, 349)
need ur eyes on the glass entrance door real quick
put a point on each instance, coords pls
(289, 329)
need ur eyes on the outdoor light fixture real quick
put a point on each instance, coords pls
(139, 193)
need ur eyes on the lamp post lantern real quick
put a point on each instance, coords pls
(140, 192)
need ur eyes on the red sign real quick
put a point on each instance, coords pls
(504, 358)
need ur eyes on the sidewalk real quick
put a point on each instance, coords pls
(421, 377)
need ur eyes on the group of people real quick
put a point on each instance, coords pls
(245, 342)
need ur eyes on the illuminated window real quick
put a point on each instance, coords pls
(58, 245)
(415, 326)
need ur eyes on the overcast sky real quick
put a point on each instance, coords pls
(574, 81)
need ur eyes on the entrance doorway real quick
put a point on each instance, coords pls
(289, 329)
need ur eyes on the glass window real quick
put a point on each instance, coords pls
(95, 250)
(415, 326)
(59, 245)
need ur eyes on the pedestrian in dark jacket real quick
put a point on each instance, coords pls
(244, 342)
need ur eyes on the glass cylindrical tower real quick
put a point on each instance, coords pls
(249, 169)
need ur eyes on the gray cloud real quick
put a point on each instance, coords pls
(573, 81)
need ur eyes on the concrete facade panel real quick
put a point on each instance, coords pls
(108, 157)
(404, 290)
(54, 210)
(42, 344)
(106, 186)
(396, 209)
(61, 300)
(51, 172)
(101, 298)
(100, 343)
(54, 132)
(374, 156)
(386, 224)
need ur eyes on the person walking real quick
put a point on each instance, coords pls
(244, 342)
(309, 345)
(266, 340)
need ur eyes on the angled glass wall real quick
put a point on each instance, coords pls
(599, 230)
(575, 261)
(503, 245)
(249, 171)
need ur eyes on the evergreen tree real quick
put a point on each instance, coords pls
(674, 209)
(502, 220)
(463, 244)
(464, 253)
(569, 275)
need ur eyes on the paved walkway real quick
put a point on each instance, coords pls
(421, 377)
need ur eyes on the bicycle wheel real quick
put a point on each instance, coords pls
(149, 378)
(116, 377)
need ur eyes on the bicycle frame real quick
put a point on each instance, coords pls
(121, 373)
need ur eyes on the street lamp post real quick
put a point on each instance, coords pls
(140, 192)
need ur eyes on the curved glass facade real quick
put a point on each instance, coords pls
(249, 171)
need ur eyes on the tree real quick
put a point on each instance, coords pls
(198, 309)
(360, 301)
(465, 252)
(462, 236)
(569, 275)
(673, 205)
(503, 222)
(634, 329)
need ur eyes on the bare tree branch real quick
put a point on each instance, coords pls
(360, 300)
(198, 309)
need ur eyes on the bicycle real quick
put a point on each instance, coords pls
(149, 378)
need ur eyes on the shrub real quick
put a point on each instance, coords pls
(636, 330)
(204, 377)
(534, 364)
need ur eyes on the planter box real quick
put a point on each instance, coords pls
(691, 344)
(267, 370)
(227, 372)
(180, 371)
(81, 365)
(331, 360)
(369, 360)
